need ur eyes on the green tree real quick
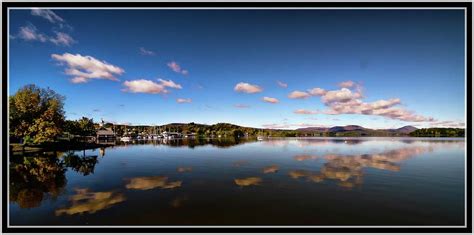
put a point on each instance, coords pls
(86, 126)
(238, 133)
(36, 113)
(71, 127)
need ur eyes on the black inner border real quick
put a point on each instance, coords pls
(275, 229)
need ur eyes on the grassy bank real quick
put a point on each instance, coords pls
(53, 146)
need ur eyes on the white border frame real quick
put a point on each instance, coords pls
(243, 8)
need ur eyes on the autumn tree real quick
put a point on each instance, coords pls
(36, 113)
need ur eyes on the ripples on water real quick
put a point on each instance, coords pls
(307, 181)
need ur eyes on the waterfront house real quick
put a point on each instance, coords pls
(105, 135)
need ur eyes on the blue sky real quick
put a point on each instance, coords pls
(399, 67)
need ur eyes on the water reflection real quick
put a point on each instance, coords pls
(84, 165)
(273, 142)
(183, 169)
(348, 169)
(85, 201)
(151, 182)
(296, 174)
(304, 157)
(248, 181)
(33, 178)
(270, 169)
(263, 172)
(240, 163)
(179, 201)
(191, 142)
(102, 152)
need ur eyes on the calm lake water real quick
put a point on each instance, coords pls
(304, 181)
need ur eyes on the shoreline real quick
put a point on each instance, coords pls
(16, 148)
(60, 146)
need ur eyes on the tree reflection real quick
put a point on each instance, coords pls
(84, 165)
(193, 142)
(34, 178)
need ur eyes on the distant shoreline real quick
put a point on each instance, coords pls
(61, 146)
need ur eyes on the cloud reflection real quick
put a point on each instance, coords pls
(348, 169)
(270, 169)
(304, 157)
(248, 181)
(85, 201)
(151, 182)
(296, 174)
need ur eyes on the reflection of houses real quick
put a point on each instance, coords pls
(190, 135)
(172, 135)
(102, 152)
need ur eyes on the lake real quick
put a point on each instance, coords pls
(287, 181)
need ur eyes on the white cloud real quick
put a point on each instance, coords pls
(84, 68)
(48, 15)
(299, 95)
(308, 125)
(144, 51)
(304, 111)
(317, 91)
(349, 101)
(150, 87)
(31, 33)
(183, 100)
(343, 95)
(144, 86)
(290, 125)
(347, 84)
(62, 39)
(177, 68)
(247, 88)
(276, 126)
(450, 124)
(270, 100)
(169, 83)
(282, 84)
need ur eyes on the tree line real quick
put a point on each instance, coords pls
(438, 132)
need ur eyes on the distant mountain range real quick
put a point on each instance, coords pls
(359, 130)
